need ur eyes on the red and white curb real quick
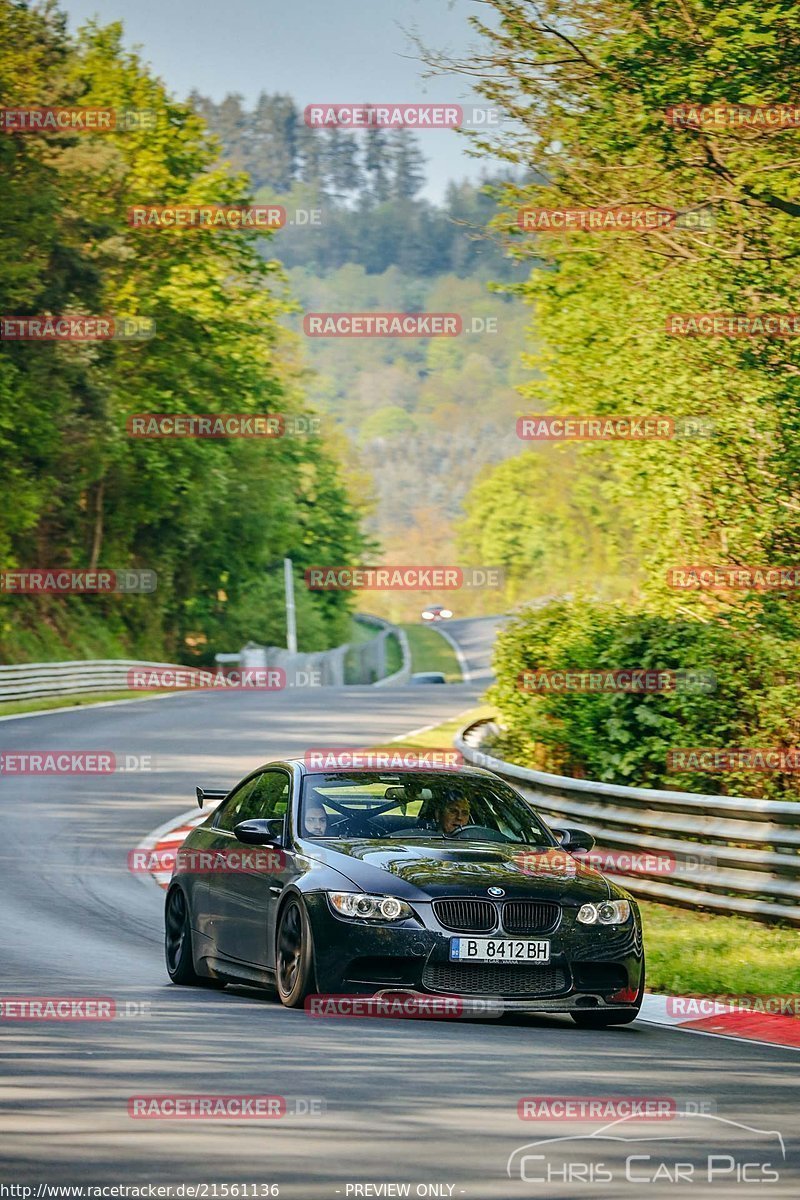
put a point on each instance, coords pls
(160, 845)
(688, 1013)
(701, 1014)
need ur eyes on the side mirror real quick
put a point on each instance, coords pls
(574, 839)
(260, 833)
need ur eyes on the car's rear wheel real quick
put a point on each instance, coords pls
(178, 944)
(294, 956)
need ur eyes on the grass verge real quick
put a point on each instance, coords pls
(688, 952)
(361, 632)
(394, 655)
(431, 652)
(691, 952)
(14, 707)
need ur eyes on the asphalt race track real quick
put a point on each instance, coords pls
(405, 1101)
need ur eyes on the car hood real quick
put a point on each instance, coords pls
(436, 868)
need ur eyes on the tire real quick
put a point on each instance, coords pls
(601, 1020)
(294, 955)
(178, 944)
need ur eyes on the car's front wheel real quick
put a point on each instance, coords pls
(294, 957)
(178, 944)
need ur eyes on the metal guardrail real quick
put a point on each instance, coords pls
(727, 853)
(31, 681)
(363, 662)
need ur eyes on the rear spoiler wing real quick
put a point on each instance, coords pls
(208, 794)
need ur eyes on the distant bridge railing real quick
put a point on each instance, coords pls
(727, 853)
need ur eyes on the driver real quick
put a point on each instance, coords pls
(452, 813)
(315, 819)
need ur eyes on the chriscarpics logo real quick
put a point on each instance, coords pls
(629, 1157)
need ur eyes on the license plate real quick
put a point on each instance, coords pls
(463, 949)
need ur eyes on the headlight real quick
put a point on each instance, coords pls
(369, 908)
(610, 912)
(445, 613)
(427, 616)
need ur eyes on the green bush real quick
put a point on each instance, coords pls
(624, 737)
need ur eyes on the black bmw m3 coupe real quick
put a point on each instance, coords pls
(422, 882)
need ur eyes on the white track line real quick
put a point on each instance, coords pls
(401, 737)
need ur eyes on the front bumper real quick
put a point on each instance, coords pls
(591, 967)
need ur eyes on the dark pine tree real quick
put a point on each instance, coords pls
(407, 164)
(343, 176)
(377, 165)
(231, 124)
(272, 152)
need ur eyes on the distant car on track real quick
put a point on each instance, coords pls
(428, 677)
(436, 612)
(420, 881)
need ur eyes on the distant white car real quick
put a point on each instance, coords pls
(436, 613)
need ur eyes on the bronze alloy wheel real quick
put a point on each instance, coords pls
(293, 959)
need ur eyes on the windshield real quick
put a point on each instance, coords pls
(418, 806)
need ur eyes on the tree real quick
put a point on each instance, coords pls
(271, 148)
(310, 150)
(408, 164)
(377, 165)
(341, 165)
(232, 122)
(208, 516)
(588, 86)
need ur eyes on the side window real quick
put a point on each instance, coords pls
(259, 799)
(270, 798)
(230, 812)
